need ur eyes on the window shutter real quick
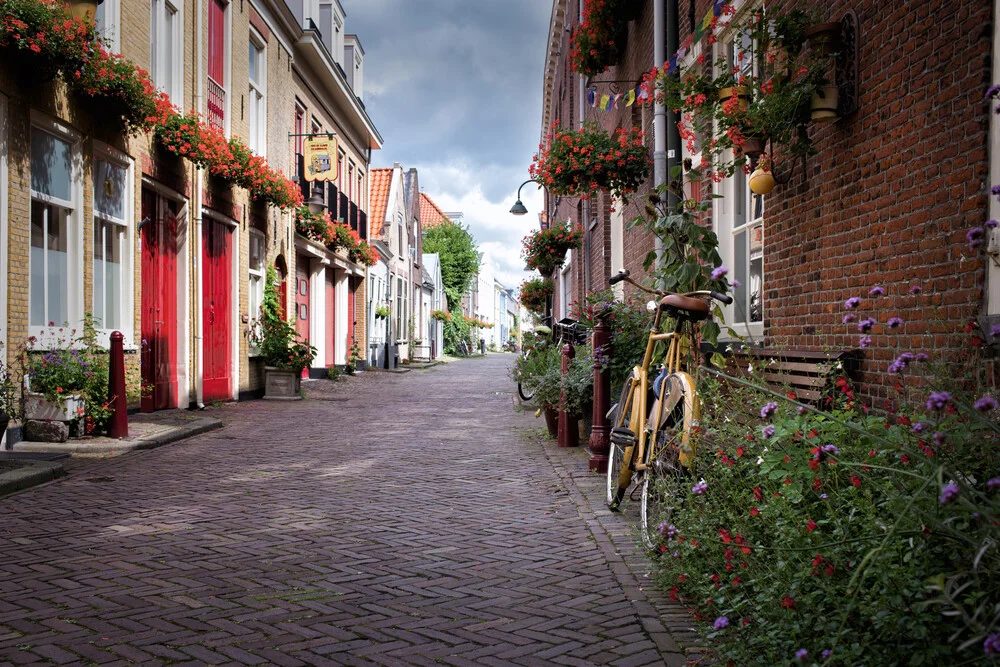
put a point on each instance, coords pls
(363, 224)
(331, 200)
(344, 203)
(354, 216)
(300, 168)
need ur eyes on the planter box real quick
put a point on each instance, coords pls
(281, 385)
(36, 407)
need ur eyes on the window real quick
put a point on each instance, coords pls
(258, 95)
(107, 18)
(350, 181)
(55, 274)
(300, 128)
(400, 296)
(340, 170)
(256, 273)
(112, 297)
(165, 50)
(218, 56)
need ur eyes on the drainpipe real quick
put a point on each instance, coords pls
(586, 204)
(659, 108)
(196, 199)
(673, 134)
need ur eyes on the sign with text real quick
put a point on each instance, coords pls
(320, 153)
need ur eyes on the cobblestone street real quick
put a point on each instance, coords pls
(409, 518)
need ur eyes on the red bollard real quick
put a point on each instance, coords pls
(569, 434)
(601, 430)
(118, 425)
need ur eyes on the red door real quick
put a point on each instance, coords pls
(217, 309)
(302, 313)
(158, 359)
(352, 293)
(331, 319)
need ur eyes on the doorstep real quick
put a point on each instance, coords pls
(145, 431)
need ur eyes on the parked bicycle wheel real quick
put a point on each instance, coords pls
(663, 483)
(621, 446)
(524, 392)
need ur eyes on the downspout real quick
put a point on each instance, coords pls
(586, 203)
(659, 108)
(196, 198)
(673, 134)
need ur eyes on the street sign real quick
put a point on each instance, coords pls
(320, 153)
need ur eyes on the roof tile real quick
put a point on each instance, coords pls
(380, 182)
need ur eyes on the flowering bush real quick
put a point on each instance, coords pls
(580, 162)
(315, 227)
(598, 41)
(771, 86)
(441, 315)
(122, 89)
(629, 322)
(545, 249)
(535, 293)
(849, 536)
(45, 34)
(363, 253)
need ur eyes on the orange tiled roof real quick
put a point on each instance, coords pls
(430, 214)
(380, 181)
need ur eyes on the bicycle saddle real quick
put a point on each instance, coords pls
(687, 307)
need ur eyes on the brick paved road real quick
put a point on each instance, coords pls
(390, 519)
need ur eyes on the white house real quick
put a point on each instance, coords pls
(433, 335)
(389, 233)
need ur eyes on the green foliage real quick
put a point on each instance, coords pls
(456, 329)
(578, 385)
(545, 249)
(872, 536)
(535, 293)
(276, 338)
(541, 373)
(333, 373)
(629, 322)
(459, 259)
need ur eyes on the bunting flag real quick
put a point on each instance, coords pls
(630, 98)
(592, 97)
(605, 103)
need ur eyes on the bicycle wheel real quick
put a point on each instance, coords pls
(621, 446)
(522, 391)
(666, 472)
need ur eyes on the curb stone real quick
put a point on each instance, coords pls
(108, 445)
(28, 474)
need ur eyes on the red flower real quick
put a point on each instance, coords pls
(856, 481)
(810, 526)
(788, 602)
(754, 511)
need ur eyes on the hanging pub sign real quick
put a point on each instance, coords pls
(320, 154)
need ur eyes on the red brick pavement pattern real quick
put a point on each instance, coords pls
(389, 519)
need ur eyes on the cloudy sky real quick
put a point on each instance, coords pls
(454, 88)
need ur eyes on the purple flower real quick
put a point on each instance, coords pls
(830, 449)
(995, 190)
(939, 438)
(718, 272)
(865, 341)
(802, 410)
(894, 322)
(852, 303)
(921, 356)
(992, 91)
(720, 623)
(677, 554)
(919, 426)
(826, 654)
(985, 404)
(801, 654)
(975, 237)
(937, 400)
(736, 283)
(823, 496)
(667, 530)
(995, 330)
(916, 289)
(878, 290)
(850, 317)
(949, 492)
(767, 431)
(992, 644)
(865, 325)
(990, 224)
(901, 362)
(700, 488)
(993, 484)
(768, 410)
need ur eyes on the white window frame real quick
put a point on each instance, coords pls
(46, 336)
(111, 31)
(565, 286)
(159, 38)
(126, 278)
(258, 97)
(255, 292)
(725, 211)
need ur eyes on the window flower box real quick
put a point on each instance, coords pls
(37, 407)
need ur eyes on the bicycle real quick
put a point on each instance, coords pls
(544, 333)
(666, 421)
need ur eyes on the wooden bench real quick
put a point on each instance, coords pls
(811, 374)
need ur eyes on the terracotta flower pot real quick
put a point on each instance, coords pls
(824, 104)
(753, 146)
(551, 420)
(761, 181)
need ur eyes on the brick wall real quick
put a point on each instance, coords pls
(887, 199)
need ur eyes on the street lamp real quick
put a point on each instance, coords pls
(316, 203)
(518, 208)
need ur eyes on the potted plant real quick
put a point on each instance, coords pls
(578, 386)
(381, 311)
(599, 40)
(285, 354)
(542, 375)
(535, 293)
(578, 163)
(545, 249)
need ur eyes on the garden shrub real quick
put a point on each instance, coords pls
(851, 536)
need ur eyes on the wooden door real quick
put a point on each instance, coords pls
(331, 318)
(352, 292)
(217, 310)
(302, 314)
(158, 356)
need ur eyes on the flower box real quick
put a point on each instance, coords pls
(281, 384)
(36, 406)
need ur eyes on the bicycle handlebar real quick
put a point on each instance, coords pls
(724, 298)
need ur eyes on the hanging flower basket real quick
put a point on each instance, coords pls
(598, 42)
(578, 163)
(535, 293)
(441, 315)
(545, 250)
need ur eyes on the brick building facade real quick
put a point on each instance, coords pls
(151, 245)
(887, 200)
